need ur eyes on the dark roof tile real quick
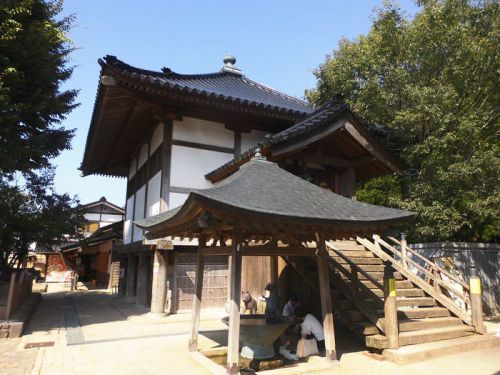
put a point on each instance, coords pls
(224, 84)
(261, 187)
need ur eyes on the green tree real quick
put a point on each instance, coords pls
(34, 54)
(434, 81)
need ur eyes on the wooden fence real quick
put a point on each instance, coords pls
(21, 283)
(458, 256)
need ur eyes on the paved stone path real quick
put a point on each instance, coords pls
(122, 338)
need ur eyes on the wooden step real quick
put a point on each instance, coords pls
(426, 351)
(353, 315)
(367, 267)
(407, 325)
(416, 301)
(358, 253)
(400, 284)
(421, 312)
(352, 246)
(359, 261)
(376, 275)
(414, 292)
(419, 337)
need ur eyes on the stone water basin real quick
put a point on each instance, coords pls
(257, 336)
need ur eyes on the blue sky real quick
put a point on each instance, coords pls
(278, 43)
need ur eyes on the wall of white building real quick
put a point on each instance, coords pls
(198, 147)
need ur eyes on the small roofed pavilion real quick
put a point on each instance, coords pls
(264, 210)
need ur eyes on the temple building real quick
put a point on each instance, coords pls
(232, 184)
(170, 133)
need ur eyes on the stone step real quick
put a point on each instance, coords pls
(426, 351)
(358, 260)
(407, 325)
(416, 301)
(422, 336)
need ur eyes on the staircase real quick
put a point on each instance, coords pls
(432, 305)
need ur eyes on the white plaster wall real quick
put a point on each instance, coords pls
(189, 165)
(139, 211)
(153, 201)
(92, 217)
(111, 218)
(132, 169)
(156, 139)
(143, 155)
(248, 140)
(176, 199)
(202, 131)
(127, 225)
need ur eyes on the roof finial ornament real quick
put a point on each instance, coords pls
(229, 61)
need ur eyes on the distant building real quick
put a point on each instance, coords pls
(90, 257)
(101, 213)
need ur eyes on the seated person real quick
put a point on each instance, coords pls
(310, 326)
(288, 310)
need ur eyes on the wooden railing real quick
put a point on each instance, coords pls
(436, 275)
(402, 262)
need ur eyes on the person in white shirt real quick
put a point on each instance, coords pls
(310, 327)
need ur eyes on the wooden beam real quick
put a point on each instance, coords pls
(370, 145)
(326, 299)
(233, 339)
(263, 250)
(202, 146)
(195, 320)
(323, 160)
(165, 165)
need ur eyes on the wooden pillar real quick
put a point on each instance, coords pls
(228, 302)
(348, 186)
(131, 276)
(233, 338)
(141, 295)
(274, 270)
(476, 301)
(326, 299)
(390, 308)
(196, 309)
(159, 289)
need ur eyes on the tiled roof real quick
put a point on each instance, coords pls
(226, 85)
(261, 187)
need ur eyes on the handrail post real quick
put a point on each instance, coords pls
(435, 273)
(390, 307)
(475, 300)
(403, 251)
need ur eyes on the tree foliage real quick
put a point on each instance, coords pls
(434, 81)
(34, 53)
